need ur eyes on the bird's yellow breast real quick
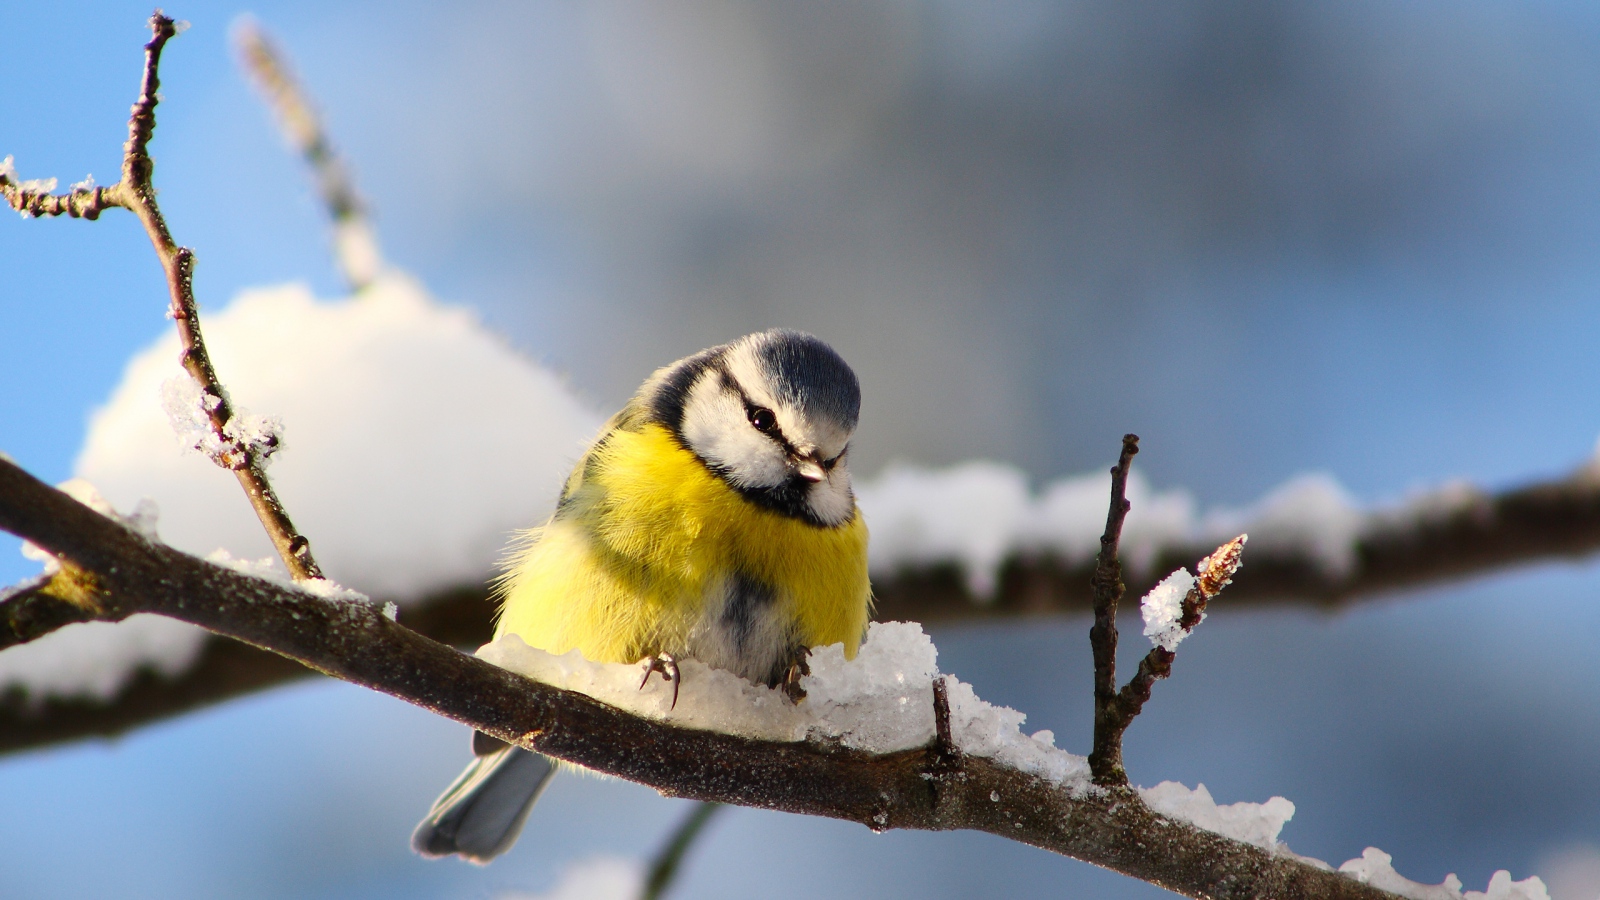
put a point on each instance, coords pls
(649, 536)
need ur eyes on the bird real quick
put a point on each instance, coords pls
(713, 518)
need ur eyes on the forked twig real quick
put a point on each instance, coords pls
(229, 446)
(1115, 710)
(1215, 572)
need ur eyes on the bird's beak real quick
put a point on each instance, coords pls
(810, 469)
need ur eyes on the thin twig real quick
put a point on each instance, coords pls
(136, 193)
(1213, 574)
(29, 610)
(355, 246)
(1105, 759)
(665, 866)
(357, 643)
(944, 757)
(83, 201)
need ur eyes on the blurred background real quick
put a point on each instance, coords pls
(1268, 237)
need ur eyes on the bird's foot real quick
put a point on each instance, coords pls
(667, 665)
(798, 669)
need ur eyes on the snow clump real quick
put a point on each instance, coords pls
(1251, 823)
(880, 702)
(1375, 868)
(1162, 609)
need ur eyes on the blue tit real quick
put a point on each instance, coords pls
(713, 518)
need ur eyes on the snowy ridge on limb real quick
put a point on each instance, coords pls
(1252, 823)
(979, 515)
(1375, 867)
(1260, 824)
(880, 702)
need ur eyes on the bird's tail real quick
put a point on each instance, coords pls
(480, 814)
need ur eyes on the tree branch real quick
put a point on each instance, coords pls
(1474, 534)
(356, 249)
(357, 643)
(136, 193)
(1214, 573)
(29, 611)
(1448, 535)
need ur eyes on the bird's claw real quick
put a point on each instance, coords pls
(798, 669)
(667, 665)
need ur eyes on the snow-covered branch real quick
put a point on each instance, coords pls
(1027, 794)
(1312, 546)
(1439, 536)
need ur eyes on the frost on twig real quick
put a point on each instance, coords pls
(246, 437)
(1175, 606)
(33, 197)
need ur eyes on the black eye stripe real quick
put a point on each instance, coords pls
(730, 384)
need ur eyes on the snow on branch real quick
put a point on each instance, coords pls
(1017, 787)
(1310, 542)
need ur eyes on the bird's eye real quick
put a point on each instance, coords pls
(763, 419)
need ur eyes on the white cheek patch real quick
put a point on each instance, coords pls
(715, 427)
(830, 440)
(830, 500)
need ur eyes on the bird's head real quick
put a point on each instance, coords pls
(772, 414)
